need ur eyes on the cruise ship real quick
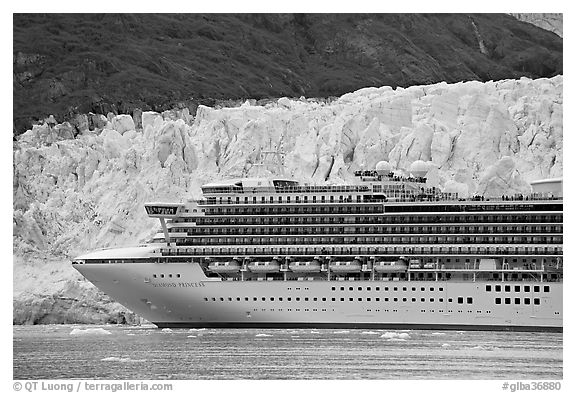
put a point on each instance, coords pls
(386, 251)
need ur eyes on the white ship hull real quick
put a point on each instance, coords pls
(193, 300)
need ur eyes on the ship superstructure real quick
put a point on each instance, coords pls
(386, 251)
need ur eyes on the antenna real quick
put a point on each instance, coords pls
(270, 160)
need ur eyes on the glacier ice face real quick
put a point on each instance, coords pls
(75, 193)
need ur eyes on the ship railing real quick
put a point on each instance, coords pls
(390, 198)
(368, 249)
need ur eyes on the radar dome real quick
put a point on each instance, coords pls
(383, 167)
(419, 168)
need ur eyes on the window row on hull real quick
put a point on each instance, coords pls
(367, 251)
(353, 229)
(501, 240)
(378, 208)
(374, 219)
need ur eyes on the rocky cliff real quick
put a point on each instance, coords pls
(66, 64)
(73, 194)
(547, 21)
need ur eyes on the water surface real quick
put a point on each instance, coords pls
(145, 352)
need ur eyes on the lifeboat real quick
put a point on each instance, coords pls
(224, 267)
(264, 266)
(390, 266)
(346, 266)
(305, 267)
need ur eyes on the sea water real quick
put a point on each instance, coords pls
(146, 352)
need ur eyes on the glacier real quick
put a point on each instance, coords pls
(73, 193)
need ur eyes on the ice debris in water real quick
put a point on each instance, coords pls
(438, 334)
(167, 330)
(342, 331)
(445, 345)
(394, 335)
(191, 336)
(369, 332)
(88, 331)
(122, 360)
(197, 330)
(263, 335)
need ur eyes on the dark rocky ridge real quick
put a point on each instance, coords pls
(78, 63)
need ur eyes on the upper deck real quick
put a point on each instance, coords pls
(373, 187)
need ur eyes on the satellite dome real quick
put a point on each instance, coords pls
(383, 167)
(419, 168)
